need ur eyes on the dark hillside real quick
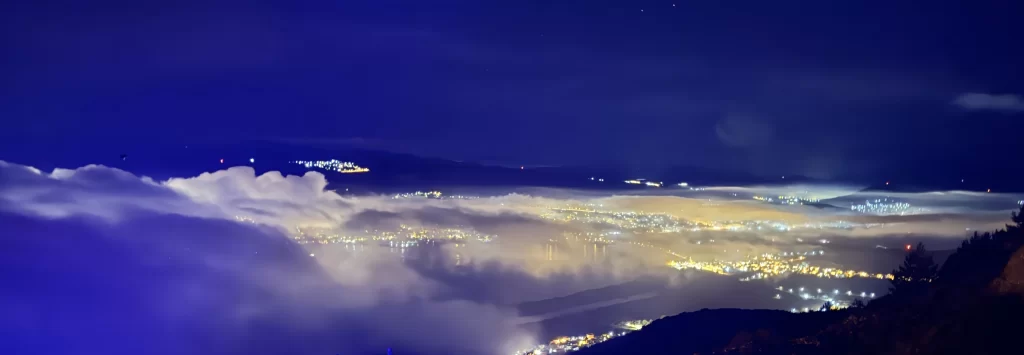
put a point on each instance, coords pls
(973, 304)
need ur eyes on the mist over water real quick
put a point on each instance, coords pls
(235, 262)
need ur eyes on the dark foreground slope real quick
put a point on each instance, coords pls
(707, 331)
(973, 305)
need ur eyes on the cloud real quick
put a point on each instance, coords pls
(268, 198)
(104, 260)
(989, 102)
(91, 190)
(176, 275)
(174, 284)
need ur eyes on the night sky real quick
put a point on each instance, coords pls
(816, 88)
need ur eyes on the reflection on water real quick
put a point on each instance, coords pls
(557, 253)
(592, 252)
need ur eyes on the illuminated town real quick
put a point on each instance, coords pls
(786, 200)
(769, 266)
(774, 265)
(404, 237)
(335, 165)
(640, 222)
(642, 182)
(632, 221)
(432, 195)
(314, 235)
(419, 194)
(567, 344)
(885, 206)
(831, 298)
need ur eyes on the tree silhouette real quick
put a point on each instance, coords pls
(981, 258)
(827, 306)
(913, 277)
(857, 303)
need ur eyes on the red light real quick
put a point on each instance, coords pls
(908, 246)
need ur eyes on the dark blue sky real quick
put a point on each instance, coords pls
(769, 87)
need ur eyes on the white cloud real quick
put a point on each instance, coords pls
(193, 266)
(989, 102)
(191, 272)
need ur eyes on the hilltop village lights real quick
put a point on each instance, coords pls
(344, 167)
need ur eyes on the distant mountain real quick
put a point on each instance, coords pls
(910, 188)
(162, 160)
(387, 169)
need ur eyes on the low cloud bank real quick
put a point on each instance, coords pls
(102, 260)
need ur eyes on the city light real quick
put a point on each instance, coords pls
(403, 237)
(432, 195)
(567, 344)
(772, 265)
(785, 200)
(335, 165)
(640, 222)
(885, 206)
